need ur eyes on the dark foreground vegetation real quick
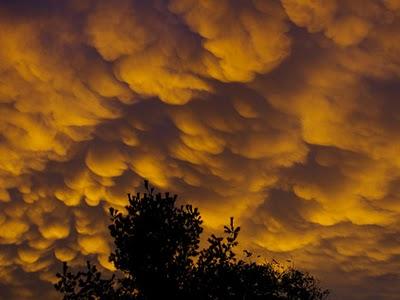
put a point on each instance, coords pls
(157, 256)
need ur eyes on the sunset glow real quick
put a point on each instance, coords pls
(284, 114)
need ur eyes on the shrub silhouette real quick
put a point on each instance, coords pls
(157, 256)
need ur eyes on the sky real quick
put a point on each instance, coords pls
(284, 114)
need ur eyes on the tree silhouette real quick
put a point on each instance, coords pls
(157, 256)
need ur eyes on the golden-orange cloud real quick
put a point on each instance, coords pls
(283, 114)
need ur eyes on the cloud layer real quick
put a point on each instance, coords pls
(283, 114)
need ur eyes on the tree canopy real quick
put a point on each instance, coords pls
(157, 256)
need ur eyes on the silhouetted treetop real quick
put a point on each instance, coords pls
(157, 256)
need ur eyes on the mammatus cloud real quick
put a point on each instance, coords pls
(281, 113)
